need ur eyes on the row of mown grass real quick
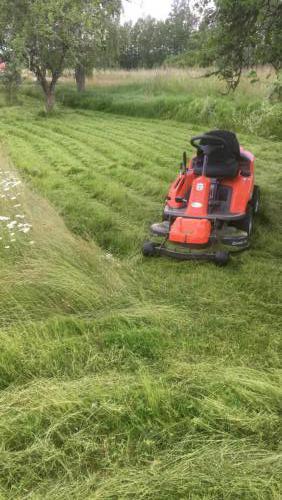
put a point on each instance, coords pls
(120, 377)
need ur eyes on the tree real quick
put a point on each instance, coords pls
(149, 42)
(12, 58)
(97, 39)
(245, 33)
(48, 33)
(180, 24)
(128, 56)
(142, 44)
(10, 77)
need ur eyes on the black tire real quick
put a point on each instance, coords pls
(256, 200)
(148, 249)
(247, 223)
(221, 259)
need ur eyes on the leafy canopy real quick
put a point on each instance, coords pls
(51, 35)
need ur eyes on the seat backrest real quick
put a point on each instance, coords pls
(231, 150)
(224, 161)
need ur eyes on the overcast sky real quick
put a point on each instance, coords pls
(133, 9)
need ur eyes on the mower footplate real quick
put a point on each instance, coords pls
(240, 242)
(161, 229)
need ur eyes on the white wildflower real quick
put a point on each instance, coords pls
(2, 217)
(24, 228)
(109, 256)
(12, 224)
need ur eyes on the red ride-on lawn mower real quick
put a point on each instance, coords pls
(211, 205)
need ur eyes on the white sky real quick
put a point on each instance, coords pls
(133, 9)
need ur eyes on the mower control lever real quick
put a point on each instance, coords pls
(178, 199)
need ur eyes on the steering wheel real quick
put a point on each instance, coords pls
(214, 143)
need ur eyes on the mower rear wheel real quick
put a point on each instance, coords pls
(149, 249)
(256, 200)
(221, 259)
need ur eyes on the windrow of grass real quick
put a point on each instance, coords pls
(44, 263)
(120, 377)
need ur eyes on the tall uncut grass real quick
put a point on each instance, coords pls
(122, 377)
(181, 95)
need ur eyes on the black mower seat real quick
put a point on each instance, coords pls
(224, 161)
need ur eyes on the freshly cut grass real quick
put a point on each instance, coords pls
(156, 436)
(122, 377)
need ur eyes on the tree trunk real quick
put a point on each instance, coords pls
(80, 77)
(49, 101)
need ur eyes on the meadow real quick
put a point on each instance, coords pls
(123, 377)
(182, 95)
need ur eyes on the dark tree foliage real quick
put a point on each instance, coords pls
(49, 36)
(53, 35)
(228, 34)
(200, 51)
(245, 33)
(180, 25)
(148, 42)
(142, 44)
(97, 39)
(10, 78)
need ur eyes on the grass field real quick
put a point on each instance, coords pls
(121, 377)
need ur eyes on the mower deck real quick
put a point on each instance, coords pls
(220, 258)
(229, 236)
(214, 254)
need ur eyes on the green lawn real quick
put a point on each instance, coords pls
(123, 377)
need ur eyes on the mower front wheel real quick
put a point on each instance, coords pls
(149, 249)
(221, 259)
